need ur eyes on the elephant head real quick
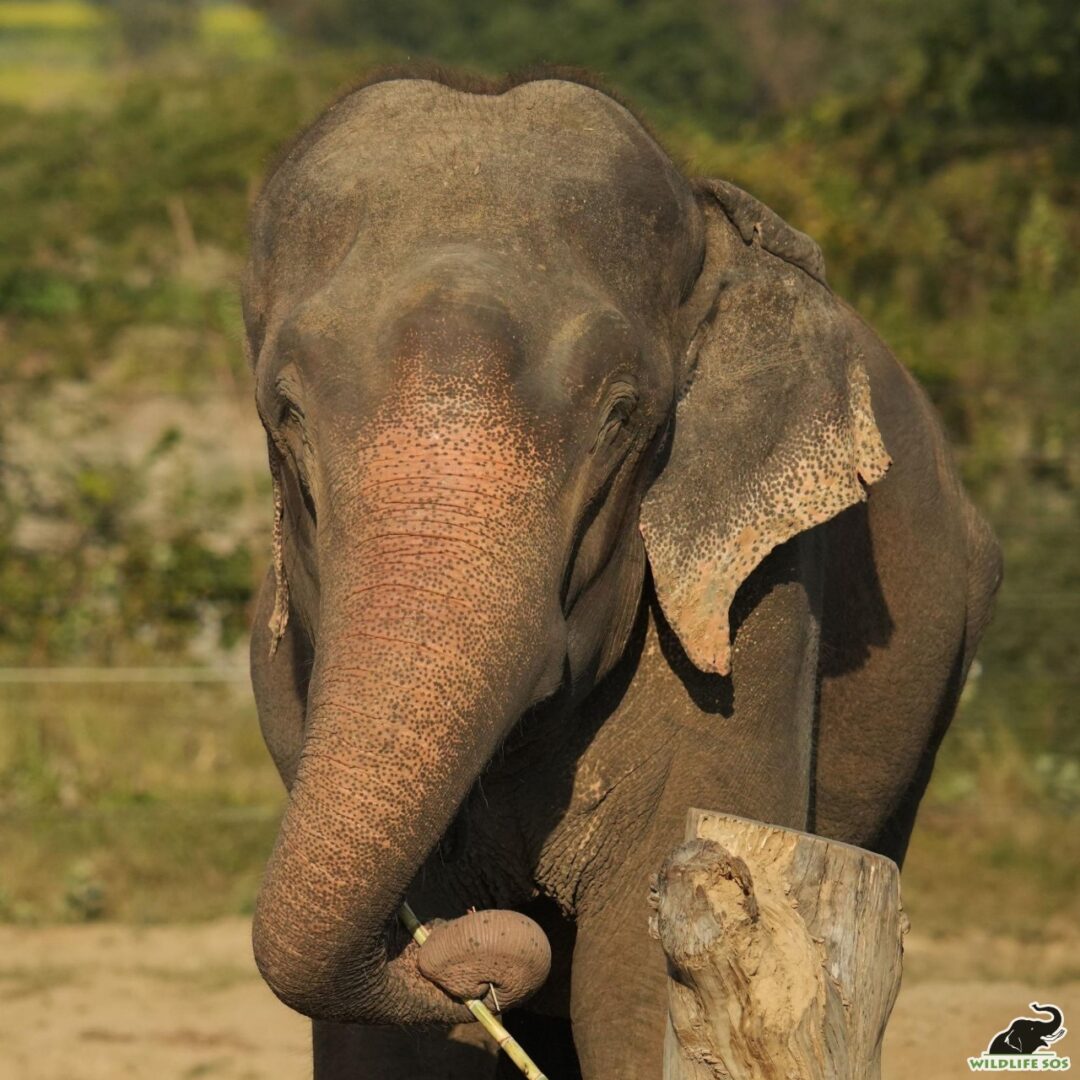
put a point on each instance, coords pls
(508, 359)
(1026, 1035)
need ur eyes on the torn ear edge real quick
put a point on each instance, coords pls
(279, 617)
(759, 225)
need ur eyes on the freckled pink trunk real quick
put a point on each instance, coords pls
(429, 641)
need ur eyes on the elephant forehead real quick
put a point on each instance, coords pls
(534, 142)
(550, 171)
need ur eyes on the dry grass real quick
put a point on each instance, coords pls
(145, 803)
(996, 848)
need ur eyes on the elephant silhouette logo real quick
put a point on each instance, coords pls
(1025, 1038)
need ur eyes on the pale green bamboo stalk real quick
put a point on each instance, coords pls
(507, 1043)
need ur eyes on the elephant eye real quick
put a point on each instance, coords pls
(619, 411)
(292, 441)
(288, 412)
(305, 494)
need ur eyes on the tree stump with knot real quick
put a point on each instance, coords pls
(784, 953)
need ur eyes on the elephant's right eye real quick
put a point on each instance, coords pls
(306, 496)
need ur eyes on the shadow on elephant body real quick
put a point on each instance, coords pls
(857, 620)
(711, 693)
(347, 1051)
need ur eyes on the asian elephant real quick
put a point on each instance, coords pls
(592, 503)
(1026, 1035)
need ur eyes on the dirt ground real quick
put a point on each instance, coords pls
(113, 1001)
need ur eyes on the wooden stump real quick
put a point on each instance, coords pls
(784, 953)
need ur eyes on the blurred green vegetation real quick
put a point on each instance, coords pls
(932, 149)
(145, 802)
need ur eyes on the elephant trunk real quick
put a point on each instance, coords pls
(431, 642)
(1048, 1027)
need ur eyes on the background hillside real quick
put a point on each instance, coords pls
(931, 148)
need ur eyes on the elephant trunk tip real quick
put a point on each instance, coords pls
(500, 952)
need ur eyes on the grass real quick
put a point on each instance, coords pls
(52, 17)
(238, 28)
(44, 85)
(1008, 869)
(996, 847)
(140, 803)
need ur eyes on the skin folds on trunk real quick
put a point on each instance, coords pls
(430, 643)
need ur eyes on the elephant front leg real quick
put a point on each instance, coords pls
(619, 988)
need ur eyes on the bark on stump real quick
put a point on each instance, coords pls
(784, 953)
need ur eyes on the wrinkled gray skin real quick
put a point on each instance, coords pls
(572, 458)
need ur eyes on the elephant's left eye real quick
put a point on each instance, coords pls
(288, 412)
(618, 413)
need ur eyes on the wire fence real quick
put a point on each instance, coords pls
(146, 791)
(115, 675)
(109, 676)
(168, 813)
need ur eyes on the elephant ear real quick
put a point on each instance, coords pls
(773, 430)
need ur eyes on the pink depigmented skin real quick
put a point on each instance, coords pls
(437, 510)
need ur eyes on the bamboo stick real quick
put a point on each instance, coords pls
(490, 1022)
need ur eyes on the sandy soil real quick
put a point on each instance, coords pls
(110, 1001)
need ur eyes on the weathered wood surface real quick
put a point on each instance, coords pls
(784, 953)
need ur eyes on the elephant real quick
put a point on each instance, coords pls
(592, 503)
(1027, 1036)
